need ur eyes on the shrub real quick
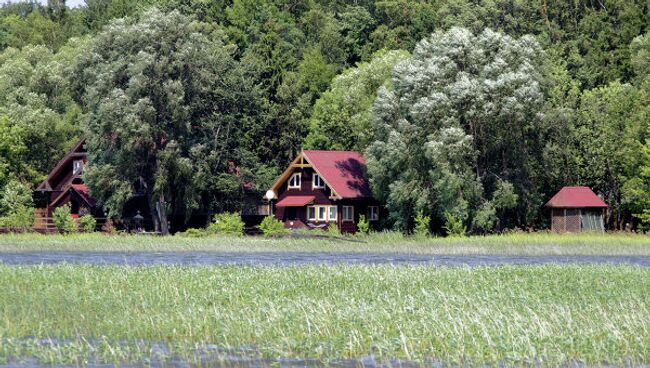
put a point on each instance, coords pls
(88, 223)
(227, 224)
(363, 226)
(332, 229)
(485, 218)
(20, 218)
(63, 220)
(15, 197)
(454, 225)
(422, 224)
(17, 206)
(109, 227)
(270, 226)
(193, 233)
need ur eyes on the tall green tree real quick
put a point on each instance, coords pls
(37, 111)
(168, 113)
(612, 126)
(340, 119)
(464, 115)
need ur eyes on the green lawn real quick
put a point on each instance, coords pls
(515, 244)
(594, 314)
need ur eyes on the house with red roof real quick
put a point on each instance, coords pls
(320, 188)
(64, 185)
(576, 209)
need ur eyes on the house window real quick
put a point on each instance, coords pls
(373, 213)
(348, 213)
(77, 166)
(311, 213)
(322, 213)
(333, 213)
(294, 182)
(318, 182)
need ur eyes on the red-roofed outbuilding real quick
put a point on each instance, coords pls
(575, 209)
(324, 187)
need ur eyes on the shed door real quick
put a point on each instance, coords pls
(592, 220)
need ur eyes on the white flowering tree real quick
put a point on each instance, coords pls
(459, 126)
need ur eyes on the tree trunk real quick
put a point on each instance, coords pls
(162, 216)
(158, 214)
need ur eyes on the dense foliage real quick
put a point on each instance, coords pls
(196, 103)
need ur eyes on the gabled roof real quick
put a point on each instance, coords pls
(82, 192)
(77, 150)
(576, 197)
(342, 171)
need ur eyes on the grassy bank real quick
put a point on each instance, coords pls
(515, 244)
(594, 314)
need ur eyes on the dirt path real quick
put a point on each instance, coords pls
(291, 259)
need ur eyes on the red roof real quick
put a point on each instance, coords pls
(84, 193)
(295, 201)
(343, 171)
(576, 197)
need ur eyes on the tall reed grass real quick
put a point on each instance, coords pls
(507, 315)
(386, 242)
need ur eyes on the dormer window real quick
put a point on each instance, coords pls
(318, 182)
(77, 167)
(294, 182)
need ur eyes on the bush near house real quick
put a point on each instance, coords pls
(227, 224)
(88, 223)
(271, 226)
(363, 226)
(63, 220)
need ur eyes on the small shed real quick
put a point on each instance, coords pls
(576, 209)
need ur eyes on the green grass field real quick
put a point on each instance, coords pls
(516, 315)
(515, 244)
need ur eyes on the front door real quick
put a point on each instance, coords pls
(290, 214)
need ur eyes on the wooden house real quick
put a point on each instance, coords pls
(323, 187)
(576, 209)
(65, 185)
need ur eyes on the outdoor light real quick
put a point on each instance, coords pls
(138, 220)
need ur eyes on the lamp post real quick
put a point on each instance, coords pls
(138, 221)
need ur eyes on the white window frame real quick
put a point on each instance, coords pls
(309, 217)
(76, 170)
(350, 212)
(320, 180)
(332, 210)
(299, 180)
(373, 213)
(318, 213)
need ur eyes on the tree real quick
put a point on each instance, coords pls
(16, 206)
(14, 196)
(341, 117)
(167, 113)
(464, 113)
(611, 130)
(38, 116)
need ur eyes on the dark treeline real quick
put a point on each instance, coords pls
(467, 110)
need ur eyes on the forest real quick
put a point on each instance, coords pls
(467, 111)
